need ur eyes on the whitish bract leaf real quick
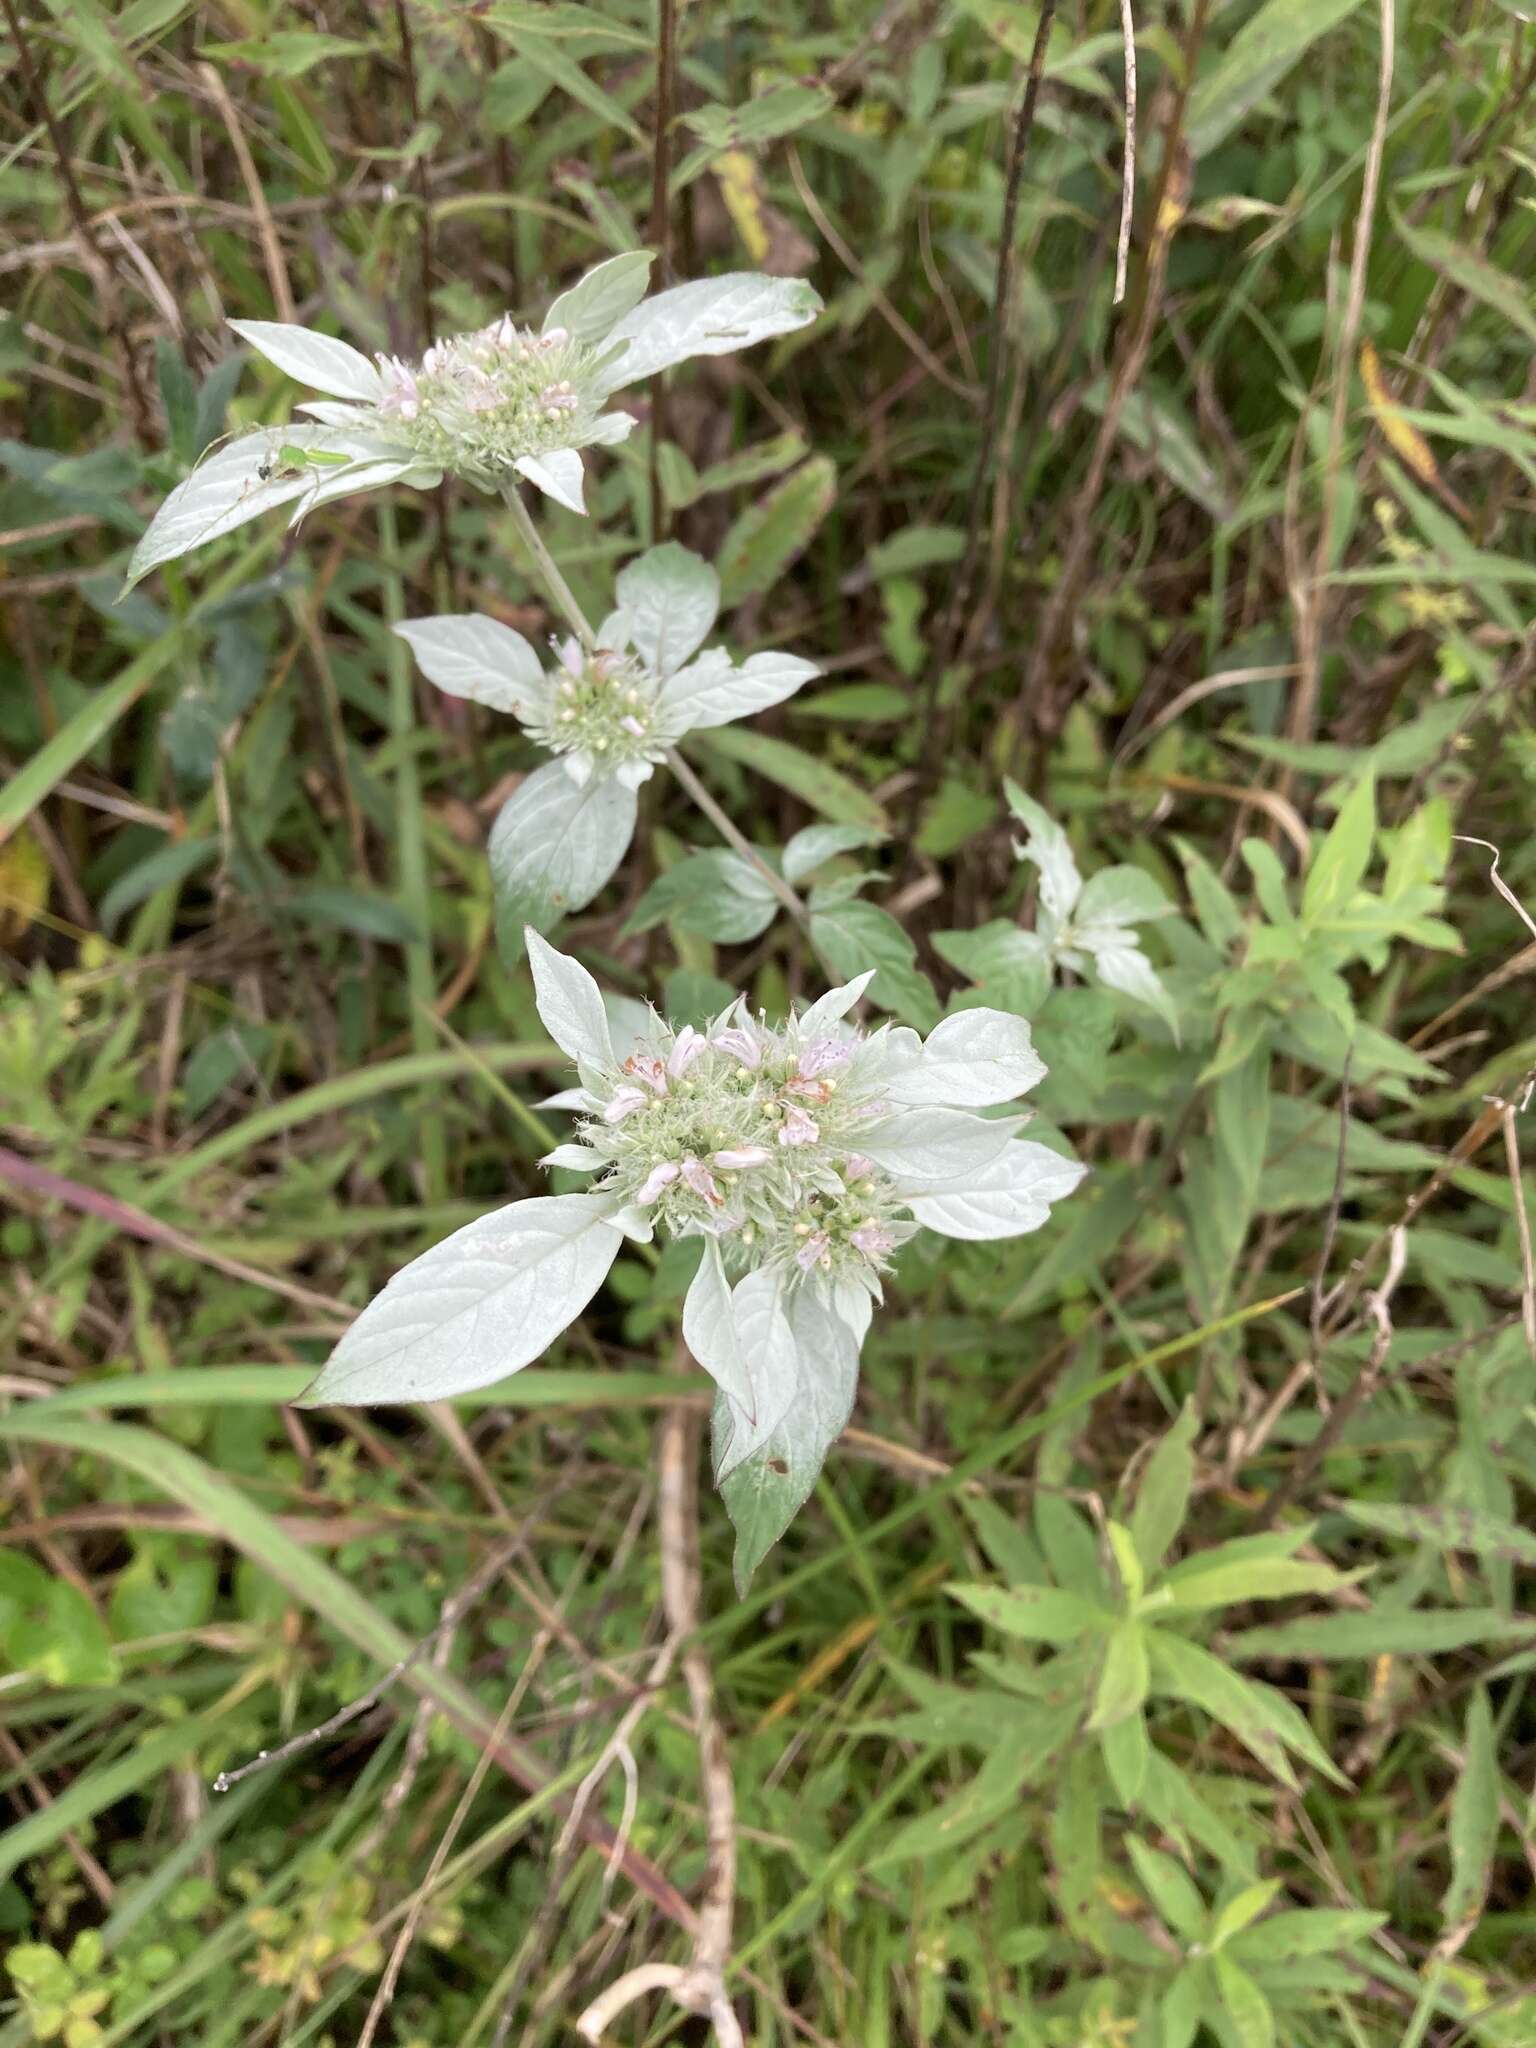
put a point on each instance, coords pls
(242, 480)
(607, 292)
(926, 1146)
(559, 475)
(314, 359)
(709, 1331)
(1047, 846)
(469, 655)
(571, 1005)
(1121, 964)
(765, 1492)
(835, 1004)
(1007, 1198)
(711, 316)
(760, 1313)
(1120, 895)
(552, 848)
(713, 690)
(480, 1305)
(971, 1060)
(668, 598)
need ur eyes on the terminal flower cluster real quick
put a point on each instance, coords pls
(802, 1155)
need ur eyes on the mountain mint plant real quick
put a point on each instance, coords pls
(489, 407)
(802, 1157)
(609, 714)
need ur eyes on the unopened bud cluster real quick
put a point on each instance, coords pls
(477, 402)
(751, 1136)
(600, 713)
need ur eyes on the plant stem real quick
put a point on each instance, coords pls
(547, 570)
(789, 897)
(410, 840)
(560, 593)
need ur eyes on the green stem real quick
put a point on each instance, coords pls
(547, 569)
(559, 591)
(410, 841)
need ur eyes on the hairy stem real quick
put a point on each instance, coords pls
(789, 897)
(547, 569)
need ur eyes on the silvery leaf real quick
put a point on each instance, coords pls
(835, 1004)
(1120, 895)
(1120, 964)
(669, 598)
(709, 1331)
(332, 413)
(1048, 848)
(1008, 1198)
(552, 848)
(607, 292)
(480, 1305)
(971, 1061)
(629, 1020)
(571, 1005)
(237, 483)
(366, 474)
(918, 1147)
(469, 655)
(610, 428)
(709, 317)
(760, 1313)
(575, 1158)
(765, 1492)
(314, 359)
(559, 475)
(713, 692)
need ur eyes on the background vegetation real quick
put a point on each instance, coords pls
(1249, 609)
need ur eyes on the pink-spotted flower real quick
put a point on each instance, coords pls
(794, 1238)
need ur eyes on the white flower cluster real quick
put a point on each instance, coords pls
(490, 406)
(802, 1156)
(614, 709)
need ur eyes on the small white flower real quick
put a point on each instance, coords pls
(742, 1045)
(624, 1102)
(740, 1158)
(660, 1177)
(798, 1128)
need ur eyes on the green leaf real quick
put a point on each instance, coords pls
(290, 53)
(1448, 1528)
(1262, 1719)
(553, 847)
(716, 895)
(854, 936)
(1387, 1632)
(765, 538)
(48, 1626)
(1276, 1578)
(1472, 273)
(1284, 1937)
(1035, 1614)
(1010, 966)
(814, 781)
(1339, 866)
(168, 865)
(1127, 1752)
(1242, 1911)
(349, 910)
(1163, 1494)
(1169, 1889)
(1124, 1677)
(1247, 2009)
(1474, 1820)
(1267, 46)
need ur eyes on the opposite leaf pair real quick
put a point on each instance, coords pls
(609, 712)
(802, 1157)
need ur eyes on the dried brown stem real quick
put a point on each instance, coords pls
(661, 231)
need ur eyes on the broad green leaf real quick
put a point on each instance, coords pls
(350, 910)
(47, 1626)
(1242, 1911)
(778, 111)
(1447, 1528)
(814, 845)
(1126, 1749)
(716, 894)
(1284, 1937)
(765, 538)
(1247, 2010)
(1276, 1578)
(669, 598)
(599, 300)
(1169, 1888)
(1010, 966)
(1036, 1735)
(853, 936)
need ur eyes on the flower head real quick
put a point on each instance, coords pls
(697, 1135)
(504, 401)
